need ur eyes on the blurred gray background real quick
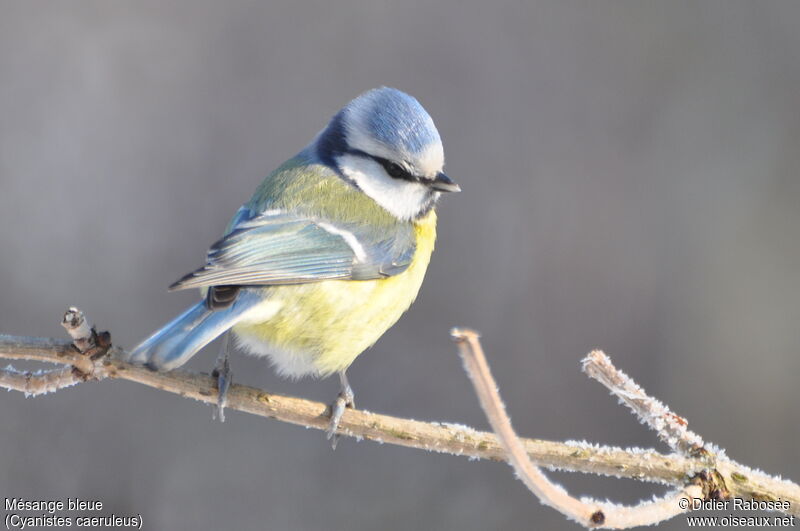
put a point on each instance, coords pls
(630, 183)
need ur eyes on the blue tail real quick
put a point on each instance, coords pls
(180, 339)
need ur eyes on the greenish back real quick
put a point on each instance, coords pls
(305, 186)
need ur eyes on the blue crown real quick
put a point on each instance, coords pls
(397, 120)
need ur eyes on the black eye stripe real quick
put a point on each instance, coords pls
(394, 170)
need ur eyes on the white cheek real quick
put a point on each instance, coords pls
(403, 199)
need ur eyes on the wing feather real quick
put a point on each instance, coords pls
(277, 248)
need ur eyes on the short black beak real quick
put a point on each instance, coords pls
(443, 183)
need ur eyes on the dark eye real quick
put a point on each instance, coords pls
(395, 170)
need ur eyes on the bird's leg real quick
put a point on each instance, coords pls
(345, 399)
(222, 372)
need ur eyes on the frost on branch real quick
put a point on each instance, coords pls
(699, 470)
(671, 428)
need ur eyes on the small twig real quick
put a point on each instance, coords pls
(486, 389)
(670, 428)
(648, 513)
(82, 334)
(39, 382)
(587, 512)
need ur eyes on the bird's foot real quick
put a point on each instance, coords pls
(222, 372)
(345, 399)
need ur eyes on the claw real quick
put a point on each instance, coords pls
(222, 372)
(346, 399)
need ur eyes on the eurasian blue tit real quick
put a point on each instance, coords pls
(328, 253)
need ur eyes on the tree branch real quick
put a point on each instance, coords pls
(698, 472)
(434, 436)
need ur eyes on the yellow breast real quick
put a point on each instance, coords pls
(321, 327)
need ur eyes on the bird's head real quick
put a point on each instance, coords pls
(386, 144)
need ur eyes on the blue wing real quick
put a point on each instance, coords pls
(276, 247)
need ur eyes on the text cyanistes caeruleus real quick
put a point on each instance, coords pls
(328, 253)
